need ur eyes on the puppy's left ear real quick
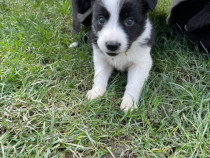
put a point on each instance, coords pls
(151, 3)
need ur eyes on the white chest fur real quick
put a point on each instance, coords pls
(134, 56)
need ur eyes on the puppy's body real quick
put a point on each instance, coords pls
(122, 38)
(192, 18)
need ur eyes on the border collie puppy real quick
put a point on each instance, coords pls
(192, 18)
(122, 38)
(81, 13)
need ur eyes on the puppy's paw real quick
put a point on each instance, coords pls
(94, 93)
(73, 45)
(128, 104)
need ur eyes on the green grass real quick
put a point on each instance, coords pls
(43, 83)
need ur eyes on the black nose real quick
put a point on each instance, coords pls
(112, 46)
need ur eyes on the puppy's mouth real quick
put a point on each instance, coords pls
(112, 54)
(116, 53)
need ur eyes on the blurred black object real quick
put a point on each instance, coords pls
(192, 18)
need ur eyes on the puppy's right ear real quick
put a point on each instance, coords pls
(151, 3)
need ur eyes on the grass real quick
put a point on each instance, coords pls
(43, 83)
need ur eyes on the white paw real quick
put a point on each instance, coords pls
(128, 104)
(94, 93)
(73, 45)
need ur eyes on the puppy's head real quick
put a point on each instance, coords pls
(118, 23)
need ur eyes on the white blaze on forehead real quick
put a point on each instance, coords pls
(112, 30)
(113, 6)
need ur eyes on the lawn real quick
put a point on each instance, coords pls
(44, 111)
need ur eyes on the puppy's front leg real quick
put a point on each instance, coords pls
(137, 75)
(103, 71)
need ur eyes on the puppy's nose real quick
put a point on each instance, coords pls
(112, 45)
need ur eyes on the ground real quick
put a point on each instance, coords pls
(44, 111)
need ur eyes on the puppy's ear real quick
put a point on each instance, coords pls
(151, 3)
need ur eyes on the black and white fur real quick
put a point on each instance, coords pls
(192, 18)
(81, 14)
(122, 39)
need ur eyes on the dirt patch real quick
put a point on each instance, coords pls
(116, 149)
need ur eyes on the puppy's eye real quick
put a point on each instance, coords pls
(101, 20)
(129, 21)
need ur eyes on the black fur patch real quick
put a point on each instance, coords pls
(83, 6)
(136, 10)
(192, 18)
(99, 11)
